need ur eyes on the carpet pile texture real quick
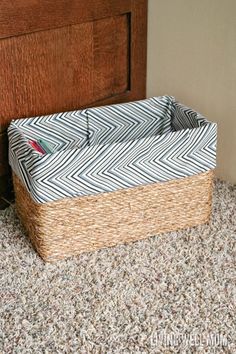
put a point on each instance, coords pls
(171, 293)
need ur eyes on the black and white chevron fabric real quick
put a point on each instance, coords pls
(63, 130)
(109, 148)
(130, 121)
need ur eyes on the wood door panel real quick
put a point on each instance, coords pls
(27, 16)
(63, 69)
(68, 54)
(111, 57)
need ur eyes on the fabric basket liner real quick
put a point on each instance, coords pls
(109, 148)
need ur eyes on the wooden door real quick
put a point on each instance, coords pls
(67, 54)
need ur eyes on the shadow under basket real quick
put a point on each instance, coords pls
(71, 226)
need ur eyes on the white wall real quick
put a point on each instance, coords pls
(192, 56)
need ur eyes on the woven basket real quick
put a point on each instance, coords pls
(115, 174)
(73, 225)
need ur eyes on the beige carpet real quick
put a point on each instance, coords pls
(173, 293)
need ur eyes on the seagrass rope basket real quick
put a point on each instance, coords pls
(104, 186)
(74, 225)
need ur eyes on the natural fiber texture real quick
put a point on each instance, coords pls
(117, 300)
(71, 226)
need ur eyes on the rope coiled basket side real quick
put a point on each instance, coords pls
(112, 175)
(71, 226)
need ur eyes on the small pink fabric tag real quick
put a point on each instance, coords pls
(36, 146)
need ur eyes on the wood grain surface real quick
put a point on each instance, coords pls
(27, 16)
(63, 69)
(67, 54)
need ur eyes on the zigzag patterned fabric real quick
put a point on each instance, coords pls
(63, 130)
(94, 155)
(130, 121)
